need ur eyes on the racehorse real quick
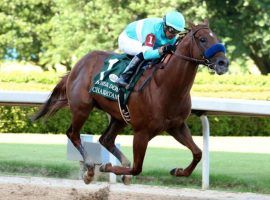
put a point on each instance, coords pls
(163, 105)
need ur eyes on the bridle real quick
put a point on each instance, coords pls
(203, 61)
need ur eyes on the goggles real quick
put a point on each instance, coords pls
(171, 30)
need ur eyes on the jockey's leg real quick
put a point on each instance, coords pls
(130, 69)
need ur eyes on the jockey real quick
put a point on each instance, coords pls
(148, 39)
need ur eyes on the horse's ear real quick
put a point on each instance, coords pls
(206, 22)
(191, 25)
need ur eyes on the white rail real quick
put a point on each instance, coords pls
(201, 106)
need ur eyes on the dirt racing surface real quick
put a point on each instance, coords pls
(27, 188)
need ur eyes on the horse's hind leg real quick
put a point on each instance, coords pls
(183, 136)
(79, 116)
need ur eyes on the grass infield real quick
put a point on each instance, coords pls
(245, 172)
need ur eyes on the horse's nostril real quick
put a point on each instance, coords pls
(221, 63)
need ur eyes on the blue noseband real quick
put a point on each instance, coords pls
(210, 52)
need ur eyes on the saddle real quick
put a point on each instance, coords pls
(104, 83)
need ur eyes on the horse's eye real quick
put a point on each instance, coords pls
(203, 39)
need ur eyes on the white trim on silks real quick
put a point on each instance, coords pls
(129, 45)
(139, 30)
(146, 48)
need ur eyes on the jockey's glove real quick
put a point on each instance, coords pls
(168, 48)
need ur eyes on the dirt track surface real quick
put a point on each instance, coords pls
(21, 188)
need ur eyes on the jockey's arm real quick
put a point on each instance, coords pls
(149, 53)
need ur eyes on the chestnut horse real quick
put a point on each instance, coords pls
(163, 105)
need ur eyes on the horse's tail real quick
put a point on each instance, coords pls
(57, 100)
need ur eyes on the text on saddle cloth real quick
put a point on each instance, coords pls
(105, 82)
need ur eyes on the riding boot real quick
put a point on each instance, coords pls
(124, 78)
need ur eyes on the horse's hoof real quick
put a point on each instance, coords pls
(87, 179)
(126, 179)
(172, 172)
(104, 167)
(177, 172)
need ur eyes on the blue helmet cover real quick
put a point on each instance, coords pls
(176, 20)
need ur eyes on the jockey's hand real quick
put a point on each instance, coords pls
(168, 48)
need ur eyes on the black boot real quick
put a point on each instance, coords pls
(124, 78)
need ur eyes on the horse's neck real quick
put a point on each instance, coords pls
(177, 78)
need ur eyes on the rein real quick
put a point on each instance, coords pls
(204, 61)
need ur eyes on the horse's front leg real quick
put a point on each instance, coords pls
(183, 136)
(108, 141)
(140, 142)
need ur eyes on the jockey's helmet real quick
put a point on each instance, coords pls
(175, 20)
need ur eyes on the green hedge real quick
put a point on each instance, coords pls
(202, 78)
(16, 120)
(30, 77)
(226, 86)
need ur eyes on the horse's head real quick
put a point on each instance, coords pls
(204, 48)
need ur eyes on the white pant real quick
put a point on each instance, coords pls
(130, 46)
